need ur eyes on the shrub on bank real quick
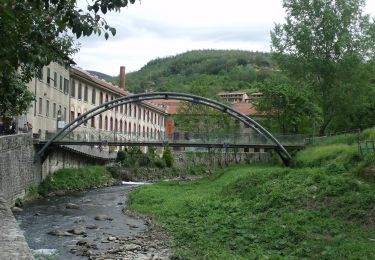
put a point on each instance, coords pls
(76, 179)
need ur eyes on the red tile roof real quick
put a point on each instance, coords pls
(172, 107)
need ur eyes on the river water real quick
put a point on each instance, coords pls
(48, 214)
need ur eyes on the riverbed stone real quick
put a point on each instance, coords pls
(91, 226)
(111, 238)
(71, 206)
(77, 231)
(103, 217)
(16, 209)
(59, 233)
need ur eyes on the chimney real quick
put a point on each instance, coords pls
(122, 77)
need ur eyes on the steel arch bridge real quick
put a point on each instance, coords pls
(247, 121)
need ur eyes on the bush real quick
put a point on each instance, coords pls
(121, 156)
(159, 163)
(168, 157)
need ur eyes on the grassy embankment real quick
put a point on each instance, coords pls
(323, 208)
(74, 179)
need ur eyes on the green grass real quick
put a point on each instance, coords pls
(75, 179)
(321, 209)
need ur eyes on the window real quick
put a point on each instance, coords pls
(66, 86)
(120, 125)
(65, 114)
(40, 105)
(144, 114)
(79, 90)
(125, 127)
(135, 111)
(71, 115)
(139, 112)
(106, 123)
(86, 94)
(48, 75)
(40, 74)
(130, 127)
(143, 131)
(116, 125)
(93, 122)
(122, 109)
(61, 82)
(93, 97)
(73, 89)
(126, 109)
(55, 79)
(101, 98)
(100, 122)
(47, 108)
(111, 124)
(106, 98)
(54, 110)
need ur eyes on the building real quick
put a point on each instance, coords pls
(141, 120)
(234, 97)
(51, 91)
(63, 93)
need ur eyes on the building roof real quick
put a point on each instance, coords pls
(75, 71)
(245, 108)
(171, 106)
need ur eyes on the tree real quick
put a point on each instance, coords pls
(287, 103)
(35, 32)
(326, 43)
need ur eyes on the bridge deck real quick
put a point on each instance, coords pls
(175, 144)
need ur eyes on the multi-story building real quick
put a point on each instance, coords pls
(234, 97)
(141, 120)
(51, 91)
(62, 93)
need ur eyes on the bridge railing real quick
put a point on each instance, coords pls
(82, 135)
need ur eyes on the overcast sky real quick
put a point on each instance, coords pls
(158, 28)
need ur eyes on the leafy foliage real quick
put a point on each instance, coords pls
(168, 157)
(330, 45)
(287, 103)
(35, 33)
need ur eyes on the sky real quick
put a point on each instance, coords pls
(152, 29)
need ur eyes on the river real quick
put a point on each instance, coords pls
(120, 236)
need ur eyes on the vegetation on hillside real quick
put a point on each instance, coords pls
(323, 208)
(214, 70)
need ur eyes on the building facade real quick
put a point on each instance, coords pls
(63, 93)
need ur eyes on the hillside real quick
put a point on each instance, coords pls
(101, 75)
(204, 72)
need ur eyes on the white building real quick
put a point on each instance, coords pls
(67, 92)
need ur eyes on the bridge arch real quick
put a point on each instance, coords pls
(110, 104)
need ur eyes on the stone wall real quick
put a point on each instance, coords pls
(17, 166)
(19, 170)
(12, 242)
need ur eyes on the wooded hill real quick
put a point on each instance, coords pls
(203, 72)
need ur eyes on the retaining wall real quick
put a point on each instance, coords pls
(17, 172)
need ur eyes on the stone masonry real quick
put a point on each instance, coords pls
(16, 166)
(12, 242)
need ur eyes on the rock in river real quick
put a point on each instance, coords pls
(71, 206)
(77, 231)
(56, 232)
(103, 217)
